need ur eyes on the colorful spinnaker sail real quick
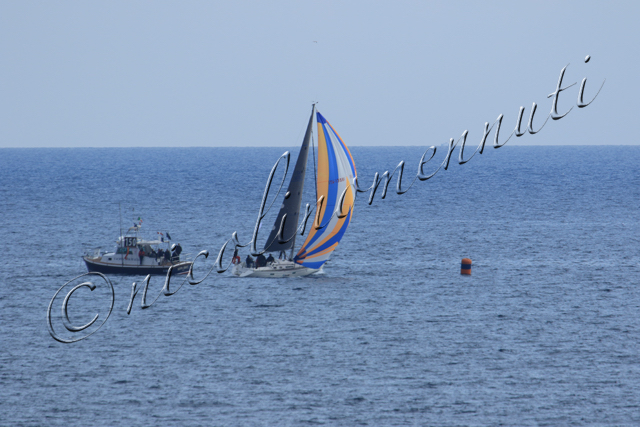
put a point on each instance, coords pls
(336, 171)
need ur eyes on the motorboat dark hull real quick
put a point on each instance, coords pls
(135, 270)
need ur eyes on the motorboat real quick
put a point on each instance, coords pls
(135, 255)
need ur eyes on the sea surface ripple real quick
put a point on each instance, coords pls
(544, 332)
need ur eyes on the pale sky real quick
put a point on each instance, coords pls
(212, 73)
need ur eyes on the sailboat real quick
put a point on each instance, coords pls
(334, 209)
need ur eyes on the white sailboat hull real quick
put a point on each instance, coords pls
(278, 268)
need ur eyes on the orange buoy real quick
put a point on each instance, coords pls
(466, 266)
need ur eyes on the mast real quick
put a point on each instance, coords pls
(313, 151)
(293, 199)
(313, 110)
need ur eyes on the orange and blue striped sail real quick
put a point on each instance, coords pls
(336, 170)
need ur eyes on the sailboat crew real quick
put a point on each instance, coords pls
(261, 261)
(249, 261)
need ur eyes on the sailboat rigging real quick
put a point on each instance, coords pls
(334, 189)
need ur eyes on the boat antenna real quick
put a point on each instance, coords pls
(120, 235)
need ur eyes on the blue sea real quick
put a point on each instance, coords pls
(544, 332)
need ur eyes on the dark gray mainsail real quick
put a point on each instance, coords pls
(291, 204)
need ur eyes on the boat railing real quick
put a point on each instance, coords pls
(92, 252)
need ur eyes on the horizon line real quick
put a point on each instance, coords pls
(294, 146)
